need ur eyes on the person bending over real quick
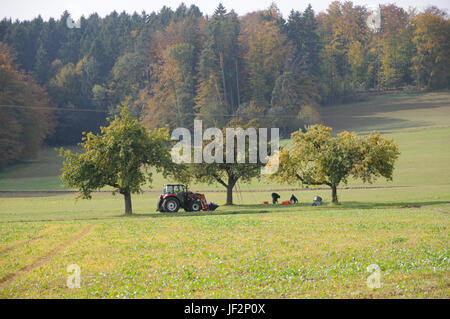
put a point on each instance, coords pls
(275, 197)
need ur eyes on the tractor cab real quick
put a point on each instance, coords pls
(176, 189)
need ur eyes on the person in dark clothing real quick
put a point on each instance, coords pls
(275, 197)
(293, 199)
(317, 201)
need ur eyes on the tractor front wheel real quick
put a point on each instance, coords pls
(195, 206)
(171, 205)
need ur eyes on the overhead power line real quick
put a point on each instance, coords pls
(278, 115)
(51, 108)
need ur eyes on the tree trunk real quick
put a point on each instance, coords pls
(334, 198)
(128, 208)
(229, 195)
(176, 102)
(237, 84)
(225, 95)
(230, 186)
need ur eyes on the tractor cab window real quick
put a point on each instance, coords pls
(169, 189)
(178, 189)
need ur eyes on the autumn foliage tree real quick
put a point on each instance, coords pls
(396, 47)
(26, 114)
(432, 40)
(316, 157)
(264, 48)
(174, 55)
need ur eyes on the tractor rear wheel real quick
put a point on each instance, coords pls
(171, 205)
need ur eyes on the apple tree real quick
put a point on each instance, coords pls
(316, 157)
(120, 156)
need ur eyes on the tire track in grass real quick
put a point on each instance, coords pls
(44, 259)
(26, 241)
(21, 243)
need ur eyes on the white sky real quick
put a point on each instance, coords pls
(28, 9)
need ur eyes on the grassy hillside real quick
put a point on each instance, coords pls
(389, 113)
(420, 123)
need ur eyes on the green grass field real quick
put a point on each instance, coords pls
(248, 250)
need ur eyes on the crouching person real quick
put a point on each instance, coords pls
(293, 199)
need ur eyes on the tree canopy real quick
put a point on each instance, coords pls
(120, 156)
(26, 115)
(316, 157)
(243, 167)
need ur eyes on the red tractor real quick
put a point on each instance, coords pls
(177, 195)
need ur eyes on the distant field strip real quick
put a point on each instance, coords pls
(297, 189)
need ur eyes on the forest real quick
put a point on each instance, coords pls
(173, 66)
